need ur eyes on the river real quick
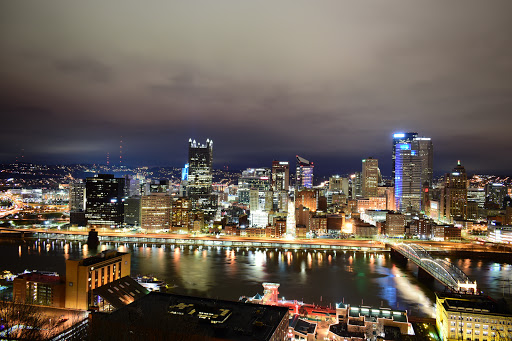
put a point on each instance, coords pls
(369, 278)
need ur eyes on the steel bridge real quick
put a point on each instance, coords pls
(445, 272)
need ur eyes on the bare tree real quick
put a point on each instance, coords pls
(24, 322)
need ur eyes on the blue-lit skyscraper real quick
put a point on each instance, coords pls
(407, 178)
(400, 138)
(304, 175)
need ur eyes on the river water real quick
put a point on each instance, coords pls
(320, 277)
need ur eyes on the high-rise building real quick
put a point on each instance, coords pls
(407, 178)
(155, 211)
(425, 150)
(77, 196)
(306, 198)
(339, 184)
(355, 186)
(280, 176)
(253, 179)
(304, 173)
(200, 157)
(181, 214)
(495, 193)
(199, 188)
(454, 195)
(400, 138)
(370, 177)
(104, 200)
(132, 211)
(159, 186)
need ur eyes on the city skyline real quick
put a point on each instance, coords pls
(331, 83)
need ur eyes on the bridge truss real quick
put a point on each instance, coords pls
(442, 270)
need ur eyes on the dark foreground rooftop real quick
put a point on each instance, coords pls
(161, 316)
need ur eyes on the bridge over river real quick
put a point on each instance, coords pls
(442, 270)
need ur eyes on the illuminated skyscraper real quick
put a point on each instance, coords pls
(280, 176)
(370, 177)
(200, 158)
(407, 178)
(400, 138)
(304, 174)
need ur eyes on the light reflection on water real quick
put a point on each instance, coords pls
(369, 278)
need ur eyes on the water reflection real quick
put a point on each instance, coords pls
(228, 273)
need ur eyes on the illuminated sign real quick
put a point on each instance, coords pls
(404, 146)
(399, 136)
(283, 163)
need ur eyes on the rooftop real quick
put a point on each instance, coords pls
(168, 316)
(473, 304)
(121, 292)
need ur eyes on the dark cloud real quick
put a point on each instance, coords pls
(263, 80)
(85, 69)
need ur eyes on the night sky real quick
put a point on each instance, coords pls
(330, 81)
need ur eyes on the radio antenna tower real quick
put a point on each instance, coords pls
(121, 152)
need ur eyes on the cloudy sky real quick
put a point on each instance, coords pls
(328, 80)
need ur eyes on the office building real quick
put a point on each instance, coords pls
(199, 185)
(499, 233)
(454, 195)
(181, 214)
(304, 173)
(356, 188)
(472, 317)
(132, 211)
(155, 211)
(253, 179)
(159, 186)
(77, 196)
(495, 193)
(104, 200)
(307, 198)
(40, 288)
(395, 224)
(280, 176)
(339, 184)
(407, 178)
(370, 177)
(400, 138)
(85, 275)
(425, 152)
(200, 160)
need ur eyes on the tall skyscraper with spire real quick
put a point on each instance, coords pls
(200, 179)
